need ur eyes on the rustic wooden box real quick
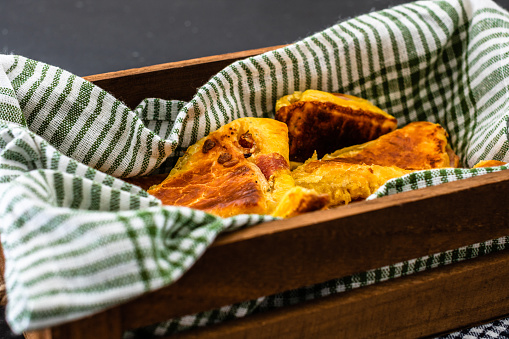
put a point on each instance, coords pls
(317, 247)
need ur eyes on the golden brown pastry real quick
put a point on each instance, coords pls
(324, 122)
(299, 200)
(243, 167)
(342, 181)
(417, 146)
(489, 163)
(356, 172)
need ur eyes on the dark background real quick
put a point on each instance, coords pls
(89, 37)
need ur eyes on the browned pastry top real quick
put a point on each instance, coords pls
(231, 171)
(418, 145)
(211, 186)
(324, 122)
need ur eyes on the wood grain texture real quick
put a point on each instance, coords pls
(104, 325)
(174, 80)
(42, 334)
(317, 247)
(420, 305)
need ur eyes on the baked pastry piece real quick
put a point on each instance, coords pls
(356, 172)
(489, 163)
(324, 122)
(243, 167)
(299, 200)
(417, 146)
(344, 182)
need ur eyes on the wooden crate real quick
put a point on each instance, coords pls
(320, 246)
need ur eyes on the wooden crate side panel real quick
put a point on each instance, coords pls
(42, 334)
(104, 325)
(424, 304)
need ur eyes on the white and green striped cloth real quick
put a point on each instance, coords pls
(78, 240)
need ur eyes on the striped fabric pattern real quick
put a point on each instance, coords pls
(499, 329)
(78, 239)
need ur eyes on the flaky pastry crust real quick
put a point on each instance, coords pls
(241, 168)
(416, 146)
(324, 122)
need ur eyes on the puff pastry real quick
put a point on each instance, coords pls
(489, 163)
(344, 182)
(356, 172)
(417, 146)
(324, 122)
(243, 167)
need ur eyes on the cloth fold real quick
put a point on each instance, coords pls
(77, 239)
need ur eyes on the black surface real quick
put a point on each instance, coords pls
(5, 330)
(90, 37)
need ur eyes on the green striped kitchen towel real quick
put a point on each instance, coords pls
(77, 239)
